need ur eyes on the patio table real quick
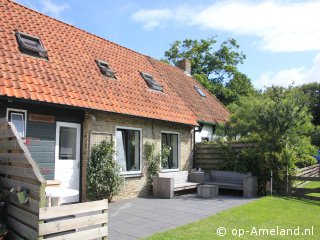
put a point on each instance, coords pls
(55, 194)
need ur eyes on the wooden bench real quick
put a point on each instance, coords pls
(167, 183)
(233, 180)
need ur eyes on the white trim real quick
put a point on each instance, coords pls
(25, 112)
(130, 173)
(179, 150)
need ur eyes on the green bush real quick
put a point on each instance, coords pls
(315, 137)
(103, 173)
(155, 160)
(279, 122)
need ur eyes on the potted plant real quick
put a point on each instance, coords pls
(21, 195)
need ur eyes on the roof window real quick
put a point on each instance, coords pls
(151, 82)
(31, 45)
(105, 69)
(200, 91)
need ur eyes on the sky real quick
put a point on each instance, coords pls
(281, 39)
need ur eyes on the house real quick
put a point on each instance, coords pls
(65, 89)
(209, 111)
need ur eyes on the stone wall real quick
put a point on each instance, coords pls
(151, 132)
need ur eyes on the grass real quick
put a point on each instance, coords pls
(264, 213)
(315, 187)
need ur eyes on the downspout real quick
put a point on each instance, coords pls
(199, 129)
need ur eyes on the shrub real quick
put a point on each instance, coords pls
(155, 160)
(103, 173)
(278, 121)
(315, 137)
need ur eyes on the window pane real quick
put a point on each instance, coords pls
(121, 153)
(128, 149)
(18, 121)
(67, 143)
(174, 150)
(171, 141)
(134, 150)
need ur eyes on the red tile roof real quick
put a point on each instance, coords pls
(207, 109)
(71, 76)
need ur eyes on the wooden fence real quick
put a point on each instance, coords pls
(32, 220)
(19, 171)
(211, 156)
(311, 173)
(88, 218)
(304, 175)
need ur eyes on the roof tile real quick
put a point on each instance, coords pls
(71, 77)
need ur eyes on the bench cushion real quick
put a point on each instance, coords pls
(179, 177)
(225, 185)
(185, 185)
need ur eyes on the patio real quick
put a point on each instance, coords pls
(141, 217)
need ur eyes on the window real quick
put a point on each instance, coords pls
(128, 143)
(105, 69)
(151, 82)
(200, 91)
(31, 45)
(67, 143)
(18, 118)
(170, 140)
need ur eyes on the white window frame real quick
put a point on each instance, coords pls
(24, 113)
(179, 150)
(129, 173)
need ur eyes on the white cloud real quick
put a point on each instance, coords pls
(46, 6)
(152, 18)
(280, 26)
(286, 77)
(53, 9)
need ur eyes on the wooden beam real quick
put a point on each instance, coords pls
(305, 178)
(6, 133)
(23, 216)
(22, 229)
(87, 234)
(12, 183)
(72, 209)
(18, 171)
(19, 157)
(74, 223)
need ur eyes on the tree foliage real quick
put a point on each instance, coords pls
(103, 173)
(279, 122)
(154, 160)
(216, 68)
(312, 91)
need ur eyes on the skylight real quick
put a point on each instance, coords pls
(200, 91)
(151, 82)
(105, 69)
(31, 45)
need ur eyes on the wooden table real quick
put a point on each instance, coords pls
(207, 191)
(55, 194)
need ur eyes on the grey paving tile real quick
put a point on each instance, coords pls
(141, 217)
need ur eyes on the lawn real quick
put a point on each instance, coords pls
(266, 213)
(315, 186)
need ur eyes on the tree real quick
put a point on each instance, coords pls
(103, 173)
(312, 90)
(215, 68)
(279, 123)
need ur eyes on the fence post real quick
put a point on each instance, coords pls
(289, 187)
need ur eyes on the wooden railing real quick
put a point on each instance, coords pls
(78, 221)
(19, 171)
(304, 175)
(32, 220)
(211, 156)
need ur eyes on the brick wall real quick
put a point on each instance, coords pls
(151, 132)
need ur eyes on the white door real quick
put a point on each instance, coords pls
(67, 157)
